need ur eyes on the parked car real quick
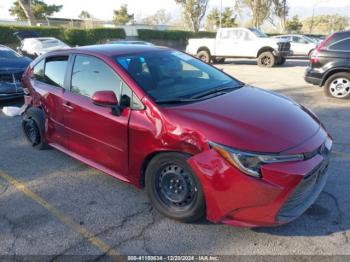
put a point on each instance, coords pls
(124, 42)
(301, 45)
(199, 140)
(12, 66)
(241, 43)
(330, 66)
(33, 46)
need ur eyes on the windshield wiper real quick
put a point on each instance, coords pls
(175, 100)
(219, 90)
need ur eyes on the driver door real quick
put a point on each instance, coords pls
(95, 135)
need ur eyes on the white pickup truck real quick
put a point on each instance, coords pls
(240, 43)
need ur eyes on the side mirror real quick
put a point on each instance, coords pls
(104, 98)
(107, 99)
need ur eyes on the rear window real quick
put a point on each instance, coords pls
(343, 45)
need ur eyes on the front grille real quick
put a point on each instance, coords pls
(284, 46)
(305, 194)
(18, 76)
(6, 78)
(11, 77)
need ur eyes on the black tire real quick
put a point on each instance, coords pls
(281, 61)
(219, 60)
(329, 87)
(310, 53)
(33, 125)
(266, 59)
(167, 173)
(204, 55)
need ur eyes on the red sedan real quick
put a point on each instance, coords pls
(199, 141)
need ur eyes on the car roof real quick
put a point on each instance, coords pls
(114, 50)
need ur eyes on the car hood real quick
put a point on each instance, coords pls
(248, 119)
(16, 63)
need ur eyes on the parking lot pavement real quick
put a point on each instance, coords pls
(54, 205)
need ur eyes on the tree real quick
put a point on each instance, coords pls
(121, 16)
(325, 24)
(33, 10)
(281, 10)
(193, 11)
(161, 17)
(294, 25)
(227, 19)
(85, 15)
(260, 10)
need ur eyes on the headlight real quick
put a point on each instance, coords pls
(250, 163)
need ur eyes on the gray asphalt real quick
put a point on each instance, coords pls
(121, 217)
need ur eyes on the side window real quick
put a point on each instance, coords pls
(225, 34)
(38, 71)
(246, 36)
(343, 45)
(235, 34)
(91, 74)
(55, 70)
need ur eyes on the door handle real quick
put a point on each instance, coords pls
(68, 106)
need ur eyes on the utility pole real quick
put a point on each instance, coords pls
(220, 13)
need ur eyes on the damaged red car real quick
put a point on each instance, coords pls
(201, 142)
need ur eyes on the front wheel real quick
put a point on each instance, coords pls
(204, 55)
(173, 188)
(219, 60)
(338, 85)
(266, 59)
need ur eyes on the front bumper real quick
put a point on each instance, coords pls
(283, 54)
(283, 193)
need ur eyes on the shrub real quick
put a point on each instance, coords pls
(69, 35)
(149, 34)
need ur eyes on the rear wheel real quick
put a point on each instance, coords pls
(219, 60)
(33, 124)
(173, 188)
(338, 85)
(266, 59)
(204, 55)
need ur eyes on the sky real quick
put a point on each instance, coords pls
(103, 9)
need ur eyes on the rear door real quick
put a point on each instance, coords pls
(95, 135)
(300, 46)
(48, 80)
(226, 43)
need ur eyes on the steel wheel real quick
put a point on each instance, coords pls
(175, 187)
(340, 87)
(266, 59)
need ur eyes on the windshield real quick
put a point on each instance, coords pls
(8, 53)
(311, 40)
(171, 75)
(257, 32)
(50, 43)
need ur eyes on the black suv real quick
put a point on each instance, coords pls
(330, 65)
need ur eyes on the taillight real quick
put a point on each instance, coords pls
(314, 58)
